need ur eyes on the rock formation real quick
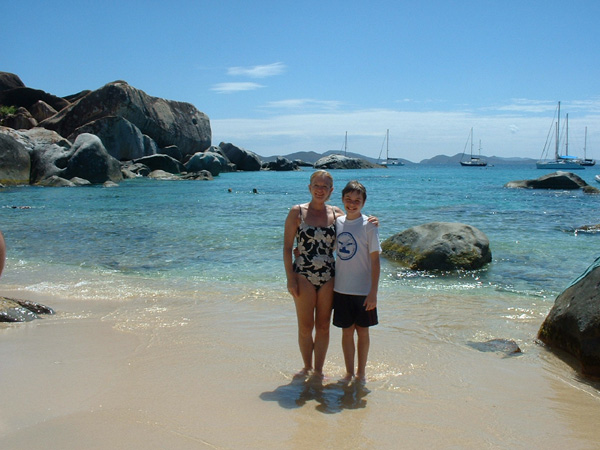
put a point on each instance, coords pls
(439, 246)
(573, 323)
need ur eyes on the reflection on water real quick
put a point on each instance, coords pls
(331, 398)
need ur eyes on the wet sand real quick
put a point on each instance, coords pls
(217, 373)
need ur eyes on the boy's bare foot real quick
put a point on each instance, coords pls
(347, 378)
(362, 379)
(302, 374)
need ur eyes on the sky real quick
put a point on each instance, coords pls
(278, 77)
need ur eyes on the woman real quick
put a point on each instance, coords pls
(310, 276)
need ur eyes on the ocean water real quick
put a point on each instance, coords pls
(180, 241)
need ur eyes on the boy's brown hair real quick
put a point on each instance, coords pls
(355, 186)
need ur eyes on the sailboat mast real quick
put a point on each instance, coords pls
(387, 143)
(346, 143)
(567, 139)
(471, 142)
(557, 134)
(585, 145)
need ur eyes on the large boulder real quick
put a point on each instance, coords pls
(439, 246)
(20, 120)
(555, 180)
(41, 110)
(167, 122)
(244, 159)
(281, 164)
(161, 162)
(343, 162)
(10, 81)
(122, 139)
(573, 323)
(91, 161)
(26, 97)
(213, 162)
(15, 162)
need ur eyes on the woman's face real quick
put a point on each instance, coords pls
(320, 188)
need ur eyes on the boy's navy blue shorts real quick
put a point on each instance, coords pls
(349, 310)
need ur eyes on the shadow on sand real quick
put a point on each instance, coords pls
(331, 398)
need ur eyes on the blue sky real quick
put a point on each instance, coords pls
(276, 77)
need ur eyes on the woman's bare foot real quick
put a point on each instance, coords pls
(304, 373)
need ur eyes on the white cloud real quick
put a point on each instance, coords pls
(304, 103)
(228, 88)
(264, 71)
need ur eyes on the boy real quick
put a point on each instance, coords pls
(356, 278)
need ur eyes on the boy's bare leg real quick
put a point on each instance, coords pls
(348, 349)
(363, 344)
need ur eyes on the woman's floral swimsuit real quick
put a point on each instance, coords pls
(315, 245)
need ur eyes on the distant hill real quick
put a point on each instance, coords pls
(312, 157)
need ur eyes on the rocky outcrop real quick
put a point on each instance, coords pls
(20, 120)
(166, 122)
(161, 162)
(281, 164)
(439, 246)
(15, 163)
(10, 81)
(556, 180)
(122, 139)
(91, 161)
(343, 162)
(213, 162)
(12, 310)
(573, 323)
(27, 97)
(243, 159)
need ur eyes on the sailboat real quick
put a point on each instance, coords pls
(586, 161)
(474, 161)
(389, 161)
(561, 162)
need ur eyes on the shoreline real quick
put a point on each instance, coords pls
(218, 373)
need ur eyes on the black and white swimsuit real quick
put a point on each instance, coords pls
(316, 245)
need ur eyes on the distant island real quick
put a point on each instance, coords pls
(312, 157)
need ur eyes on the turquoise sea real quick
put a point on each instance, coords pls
(177, 242)
(182, 290)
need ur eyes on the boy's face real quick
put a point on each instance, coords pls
(353, 203)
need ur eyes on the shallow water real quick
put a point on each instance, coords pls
(184, 262)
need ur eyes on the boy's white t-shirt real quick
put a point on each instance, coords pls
(356, 240)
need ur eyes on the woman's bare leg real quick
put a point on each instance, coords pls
(305, 313)
(322, 324)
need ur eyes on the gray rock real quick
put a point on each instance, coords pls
(20, 120)
(12, 310)
(91, 161)
(243, 159)
(161, 162)
(213, 162)
(281, 164)
(573, 323)
(41, 110)
(342, 162)
(55, 181)
(122, 139)
(15, 162)
(555, 180)
(439, 246)
(505, 346)
(10, 81)
(166, 122)
(26, 97)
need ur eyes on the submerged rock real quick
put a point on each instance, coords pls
(506, 346)
(12, 310)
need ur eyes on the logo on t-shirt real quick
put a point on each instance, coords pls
(346, 245)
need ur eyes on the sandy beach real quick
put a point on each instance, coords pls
(219, 374)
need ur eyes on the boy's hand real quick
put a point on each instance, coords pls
(370, 302)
